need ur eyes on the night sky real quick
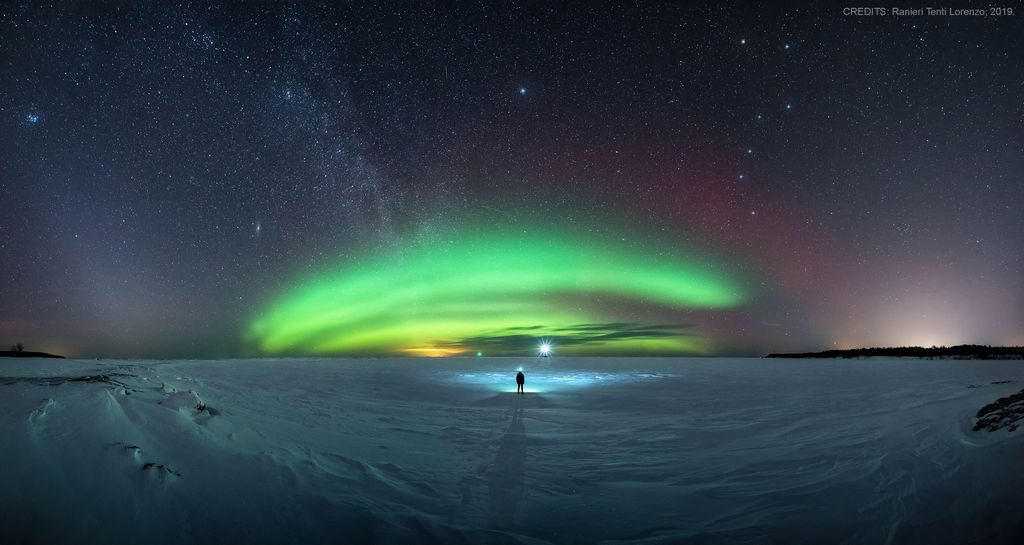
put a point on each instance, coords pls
(275, 179)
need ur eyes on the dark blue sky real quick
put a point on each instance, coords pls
(167, 169)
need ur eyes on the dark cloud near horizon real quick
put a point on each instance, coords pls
(524, 339)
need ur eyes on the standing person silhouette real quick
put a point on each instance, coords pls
(520, 380)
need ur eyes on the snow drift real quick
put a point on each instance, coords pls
(428, 451)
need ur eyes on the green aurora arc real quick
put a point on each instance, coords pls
(497, 292)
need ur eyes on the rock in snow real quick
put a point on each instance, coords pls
(1004, 412)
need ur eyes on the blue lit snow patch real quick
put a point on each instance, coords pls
(549, 380)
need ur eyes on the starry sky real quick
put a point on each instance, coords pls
(271, 179)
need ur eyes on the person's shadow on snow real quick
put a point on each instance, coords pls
(505, 480)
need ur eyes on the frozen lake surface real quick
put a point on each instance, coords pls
(599, 450)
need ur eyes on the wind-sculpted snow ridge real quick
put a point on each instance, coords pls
(57, 380)
(443, 451)
(1004, 412)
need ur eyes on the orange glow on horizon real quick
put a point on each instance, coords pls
(434, 352)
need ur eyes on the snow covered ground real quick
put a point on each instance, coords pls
(443, 451)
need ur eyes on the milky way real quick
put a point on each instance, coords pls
(176, 177)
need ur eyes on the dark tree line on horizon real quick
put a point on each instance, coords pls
(967, 351)
(18, 351)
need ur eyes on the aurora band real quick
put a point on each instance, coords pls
(433, 297)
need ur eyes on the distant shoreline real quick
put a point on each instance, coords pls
(16, 354)
(963, 351)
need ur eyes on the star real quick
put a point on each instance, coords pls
(323, 124)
